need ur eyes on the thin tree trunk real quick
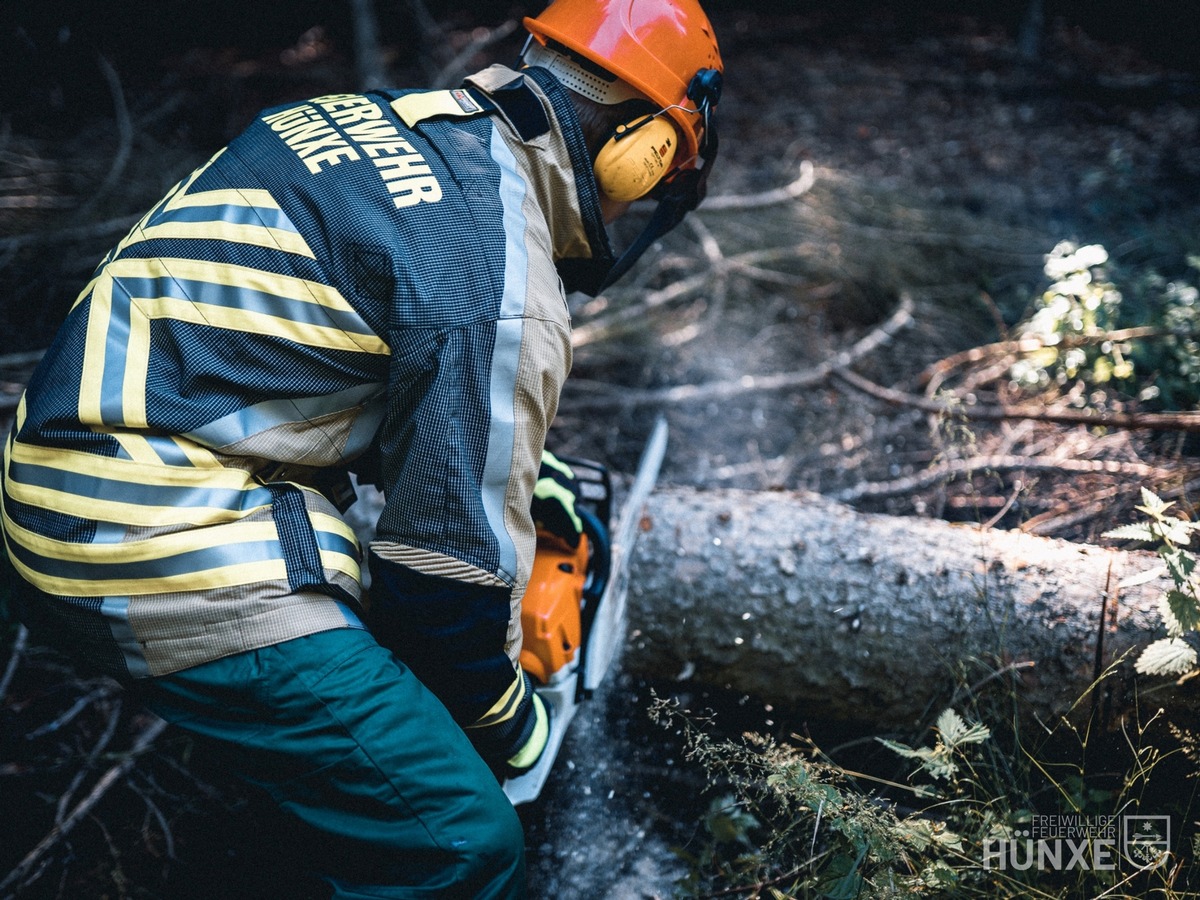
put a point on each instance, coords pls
(799, 600)
(368, 58)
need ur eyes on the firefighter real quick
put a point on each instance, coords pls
(369, 283)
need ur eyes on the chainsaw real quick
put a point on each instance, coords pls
(573, 611)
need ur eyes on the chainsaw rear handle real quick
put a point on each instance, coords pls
(600, 565)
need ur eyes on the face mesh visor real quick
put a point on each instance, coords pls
(578, 79)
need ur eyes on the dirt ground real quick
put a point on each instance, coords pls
(942, 167)
(946, 167)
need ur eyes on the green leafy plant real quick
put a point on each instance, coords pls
(788, 822)
(789, 825)
(953, 734)
(1141, 340)
(1079, 304)
(1180, 605)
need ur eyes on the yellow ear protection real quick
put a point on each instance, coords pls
(684, 190)
(636, 157)
(639, 153)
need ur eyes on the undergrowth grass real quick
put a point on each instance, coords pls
(987, 805)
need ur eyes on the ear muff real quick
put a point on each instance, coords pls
(636, 157)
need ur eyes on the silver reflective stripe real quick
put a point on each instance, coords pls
(245, 423)
(116, 612)
(506, 355)
(366, 427)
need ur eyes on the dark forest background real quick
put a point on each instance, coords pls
(951, 146)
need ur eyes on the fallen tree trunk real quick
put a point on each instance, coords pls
(798, 600)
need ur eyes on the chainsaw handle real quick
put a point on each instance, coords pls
(601, 561)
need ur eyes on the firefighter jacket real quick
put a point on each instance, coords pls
(356, 276)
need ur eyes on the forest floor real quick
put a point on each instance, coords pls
(932, 173)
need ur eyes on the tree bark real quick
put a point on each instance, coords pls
(880, 620)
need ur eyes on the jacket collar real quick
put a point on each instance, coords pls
(561, 172)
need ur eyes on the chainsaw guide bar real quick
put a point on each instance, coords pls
(604, 625)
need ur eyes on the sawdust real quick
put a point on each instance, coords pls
(945, 167)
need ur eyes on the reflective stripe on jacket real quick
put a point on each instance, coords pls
(332, 282)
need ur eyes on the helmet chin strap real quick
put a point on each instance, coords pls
(677, 196)
(680, 197)
(684, 192)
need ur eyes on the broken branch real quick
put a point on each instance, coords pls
(899, 320)
(17, 876)
(1180, 421)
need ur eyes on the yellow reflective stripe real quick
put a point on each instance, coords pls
(250, 279)
(159, 547)
(137, 368)
(333, 524)
(87, 289)
(198, 456)
(527, 755)
(209, 579)
(150, 549)
(137, 447)
(139, 515)
(248, 197)
(255, 235)
(505, 707)
(91, 386)
(135, 472)
(136, 234)
(232, 275)
(340, 562)
(125, 513)
(260, 323)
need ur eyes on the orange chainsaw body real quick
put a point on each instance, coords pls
(550, 611)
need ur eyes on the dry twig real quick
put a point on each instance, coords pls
(454, 71)
(1180, 421)
(124, 136)
(899, 320)
(14, 660)
(952, 468)
(802, 185)
(18, 876)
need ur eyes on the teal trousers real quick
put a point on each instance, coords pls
(351, 745)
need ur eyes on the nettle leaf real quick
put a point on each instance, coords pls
(902, 749)
(955, 731)
(1180, 564)
(1180, 612)
(922, 833)
(1168, 656)
(1174, 531)
(1152, 504)
(1141, 578)
(1139, 531)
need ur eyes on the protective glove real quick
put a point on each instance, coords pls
(553, 505)
(512, 736)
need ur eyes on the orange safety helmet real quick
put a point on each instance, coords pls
(657, 46)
